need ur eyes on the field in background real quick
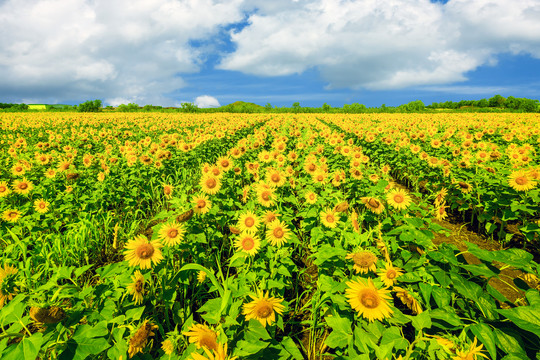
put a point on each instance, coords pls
(269, 236)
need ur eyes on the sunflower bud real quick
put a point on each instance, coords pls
(341, 207)
(185, 216)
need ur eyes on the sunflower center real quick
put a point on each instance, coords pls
(249, 222)
(275, 178)
(278, 232)
(248, 243)
(373, 203)
(225, 163)
(264, 310)
(330, 218)
(145, 251)
(398, 198)
(172, 233)
(201, 204)
(369, 299)
(363, 259)
(391, 274)
(13, 214)
(2, 188)
(463, 185)
(23, 186)
(42, 205)
(139, 286)
(211, 183)
(266, 195)
(167, 190)
(522, 180)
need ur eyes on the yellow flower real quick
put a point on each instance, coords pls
(472, 354)
(219, 354)
(278, 233)
(370, 302)
(329, 218)
(210, 184)
(373, 204)
(248, 221)
(311, 197)
(23, 186)
(275, 178)
(521, 181)
(168, 190)
(7, 284)
(364, 261)
(172, 233)
(138, 341)
(201, 204)
(248, 243)
(390, 274)
(263, 308)
(136, 288)
(11, 215)
(41, 206)
(398, 199)
(143, 253)
(202, 336)
(407, 299)
(168, 347)
(4, 189)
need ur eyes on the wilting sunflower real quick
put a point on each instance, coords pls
(23, 186)
(172, 233)
(398, 199)
(136, 288)
(248, 243)
(248, 221)
(168, 347)
(7, 283)
(11, 215)
(329, 218)
(41, 206)
(201, 204)
(472, 354)
(390, 274)
(277, 233)
(521, 181)
(441, 195)
(370, 302)
(202, 336)
(210, 184)
(373, 204)
(364, 261)
(4, 189)
(143, 253)
(407, 299)
(263, 308)
(138, 341)
(464, 187)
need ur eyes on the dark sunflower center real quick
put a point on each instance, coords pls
(145, 251)
(522, 180)
(264, 310)
(139, 286)
(225, 163)
(167, 190)
(369, 299)
(373, 203)
(266, 195)
(23, 186)
(330, 218)
(398, 198)
(278, 232)
(3, 189)
(391, 274)
(201, 204)
(275, 178)
(211, 183)
(248, 243)
(172, 233)
(363, 260)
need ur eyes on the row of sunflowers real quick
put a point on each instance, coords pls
(246, 236)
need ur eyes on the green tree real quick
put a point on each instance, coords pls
(496, 101)
(90, 106)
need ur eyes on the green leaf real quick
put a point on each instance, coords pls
(508, 343)
(31, 345)
(526, 317)
(246, 348)
(341, 331)
(485, 335)
(289, 345)
(421, 321)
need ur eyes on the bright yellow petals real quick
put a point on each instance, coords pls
(373, 204)
(369, 301)
(390, 274)
(201, 204)
(11, 215)
(407, 299)
(23, 186)
(329, 218)
(41, 206)
(136, 288)
(398, 199)
(521, 181)
(143, 253)
(248, 243)
(248, 221)
(7, 284)
(263, 309)
(472, 354)
(277, 233)
(172, 233)
(311, 197)
(4, 189)
(202, 336)
(210, 184)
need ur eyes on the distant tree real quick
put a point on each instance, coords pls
(90, 106)
(296, 107)
(268, 107)
(189, 107)
(326, 108)
(496, 101)
(529, 105)
(482, 103)
(131, 107)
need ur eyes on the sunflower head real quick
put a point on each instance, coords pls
(369, 301)
(263, 308)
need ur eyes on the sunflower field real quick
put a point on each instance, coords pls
(268, 236)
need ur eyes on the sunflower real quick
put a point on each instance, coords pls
(266, 197)
(172, 233)
(389, 274)
(248, 221)
(472, 354)
(275, 177)
(248, 243)
(263, 308)
(4, 189)
(278, 233)
(370, 302)
(210, 184)
(270, 216)
(464, 187)
(23, 186)
(168, 347)
(373, 204)
(143, 253)
(11, 215)
(398, 199)
(136, 288)
(329, 218)
(138, 341)
(441, 195)
(201, 204)
(311, 197)
(7, 283)
(219, 354)
(407, 299)
(168, 190)
(201, 276)
(364, 261)
(18, 170)
(50, 173)
(521, 181)
(440, 211)
(202, 336)
(354, 221)
(41, 206)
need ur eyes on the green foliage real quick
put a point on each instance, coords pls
(131, 107)
(90, 106)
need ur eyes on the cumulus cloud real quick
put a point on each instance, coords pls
(80, 49)
(206, 101)
(385, 44)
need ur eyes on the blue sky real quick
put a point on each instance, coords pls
(210, 52)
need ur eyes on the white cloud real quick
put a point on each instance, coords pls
(81, 49)
(206, 101)
(385, 44)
